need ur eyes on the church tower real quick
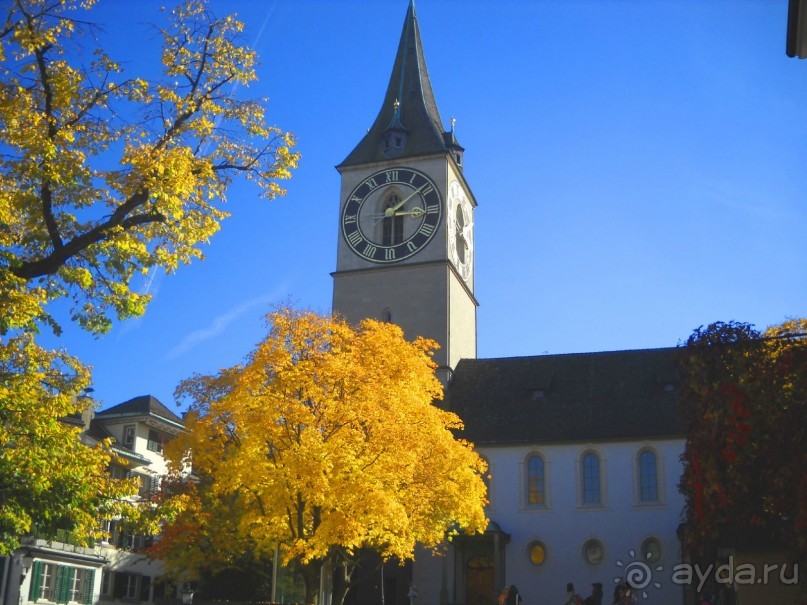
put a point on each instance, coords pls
(405, 251)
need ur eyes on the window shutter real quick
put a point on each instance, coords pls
(145, 584)
(89, 586)
(145, 486)
(64, 578)
(120, 585)
(156, 482)
(36, 581)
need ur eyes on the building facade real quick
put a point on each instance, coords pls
(116, 569)
(584, 463)
(583, 449)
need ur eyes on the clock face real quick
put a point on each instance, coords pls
(391, 215)
(460, 230)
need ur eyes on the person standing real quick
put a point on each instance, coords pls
(596, 595)
(503, 595)
(572, 598)
(513, 598)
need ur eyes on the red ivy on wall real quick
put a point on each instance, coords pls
(744, 404)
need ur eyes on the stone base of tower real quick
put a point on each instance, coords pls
(424, 299)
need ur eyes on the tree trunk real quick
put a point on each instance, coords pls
(310, 574)
(341, 585)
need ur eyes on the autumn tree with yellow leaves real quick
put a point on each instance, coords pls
(104, 176)
(323, 442)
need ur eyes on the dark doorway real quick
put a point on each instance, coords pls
(480, 589)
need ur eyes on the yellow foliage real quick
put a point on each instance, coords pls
(86, 220)
(328, 436)
(49, 476)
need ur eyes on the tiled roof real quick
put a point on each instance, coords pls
(98, 431)
(564, 398)
(417, 112)
(144, 405)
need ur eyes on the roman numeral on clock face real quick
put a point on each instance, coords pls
(426, 229)
(354, 238)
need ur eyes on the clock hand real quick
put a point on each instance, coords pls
(406, 199)
(414, 212)
(393, 210)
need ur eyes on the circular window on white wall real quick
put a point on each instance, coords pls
(537, 553)
(651, 550)
(593, 552)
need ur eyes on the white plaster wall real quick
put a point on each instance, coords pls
(461, 322)
(125, 561)
(564, 525)
(157, 461)
(429, 574)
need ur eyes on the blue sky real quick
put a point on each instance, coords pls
(640, 169)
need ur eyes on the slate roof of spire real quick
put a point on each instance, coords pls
(409, 84)
(612, 395)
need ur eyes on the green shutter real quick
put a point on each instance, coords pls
(68, 585)
(89, 585)
(58, 584)
(36, 581)
(64, 581)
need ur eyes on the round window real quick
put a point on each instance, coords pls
(593, 552)
(651, 550)
(537, 553)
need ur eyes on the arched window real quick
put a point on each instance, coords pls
(392, 226)
(648, 476)
(591, 479)
(536, 484)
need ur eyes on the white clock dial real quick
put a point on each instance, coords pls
(460, 230)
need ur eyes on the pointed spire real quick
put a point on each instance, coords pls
(408, 123)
